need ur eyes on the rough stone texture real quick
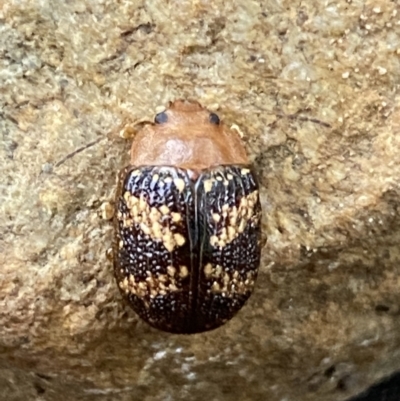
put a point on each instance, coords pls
(324, 320)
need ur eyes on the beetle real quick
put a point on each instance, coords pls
(186, 247)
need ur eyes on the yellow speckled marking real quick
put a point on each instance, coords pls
(216, 217)
(126, 196)
(155, 223)
(154, 284)
(176, 217)
(213, 240)
(228, 284)
(208, 270)
(180, 184)
(237, 220)
(164, 209)
(171, 270)
(183, 271)
(179, 239)
(208, 186)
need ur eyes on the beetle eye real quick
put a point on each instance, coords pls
(214, 119)
(161, 118)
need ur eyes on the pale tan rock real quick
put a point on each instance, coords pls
(314, 89)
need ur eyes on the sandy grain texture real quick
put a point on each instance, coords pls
(314, 87)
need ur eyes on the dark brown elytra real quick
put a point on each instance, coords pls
(187, 222)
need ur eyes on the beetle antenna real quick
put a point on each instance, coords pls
(296, 116)
(76, 151)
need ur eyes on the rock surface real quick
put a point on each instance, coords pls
(314, 86)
